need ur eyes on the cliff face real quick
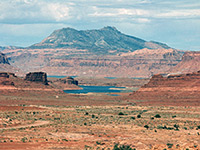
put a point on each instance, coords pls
(189, 63)
(185, 87)
(3, 59)
(37, 77)
(141, 63)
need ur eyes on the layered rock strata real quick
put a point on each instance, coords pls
(184, 87)
(37, 77)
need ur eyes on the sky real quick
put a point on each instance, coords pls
(174, 22)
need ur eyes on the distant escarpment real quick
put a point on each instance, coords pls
(96, 53)
(189, 63)
(5, 65)
(3, 59)
(181, 88)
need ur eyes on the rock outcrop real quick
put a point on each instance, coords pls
(3, 59)
(66, 83)
(37, 77)
(67, 80)
(184, 87)
(5, 79)
(190, 63)
(7, 74)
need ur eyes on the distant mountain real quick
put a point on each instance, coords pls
(96, 41)
(102, 53)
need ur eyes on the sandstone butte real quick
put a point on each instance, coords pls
(180, 88)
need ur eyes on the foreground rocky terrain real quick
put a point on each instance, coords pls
(163, 114)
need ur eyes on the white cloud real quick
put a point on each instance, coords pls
(148, 19)
(180, 13)
(34, 11)
(56, 11)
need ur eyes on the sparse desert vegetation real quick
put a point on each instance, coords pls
(106, 127)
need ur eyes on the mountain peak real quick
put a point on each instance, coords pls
(96, 41)
(109, 28)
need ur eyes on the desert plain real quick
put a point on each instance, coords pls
(42, 120)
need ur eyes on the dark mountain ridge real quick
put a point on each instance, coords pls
(100, 41)
(3, 59)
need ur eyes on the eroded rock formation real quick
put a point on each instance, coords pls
(37, 77)
(5, 79)
(190, 63)
(67, 80)
(184, 87)
(3, 59)
(66, 83)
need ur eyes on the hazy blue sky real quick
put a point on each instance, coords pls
(175, 22)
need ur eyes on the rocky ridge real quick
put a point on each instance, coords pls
(180, 87)
(189, 63)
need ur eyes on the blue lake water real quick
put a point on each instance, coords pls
(61, 76)
(110, 77)
(95, 89)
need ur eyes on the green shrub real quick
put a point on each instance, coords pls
(157, 116)
(139, 116)
(122, 147)
(169, 145)
(121, 113)
(24, 139)
(65, 140)
(146, 126)
(133, 118)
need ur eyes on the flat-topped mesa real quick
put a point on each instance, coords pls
(37, 77)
